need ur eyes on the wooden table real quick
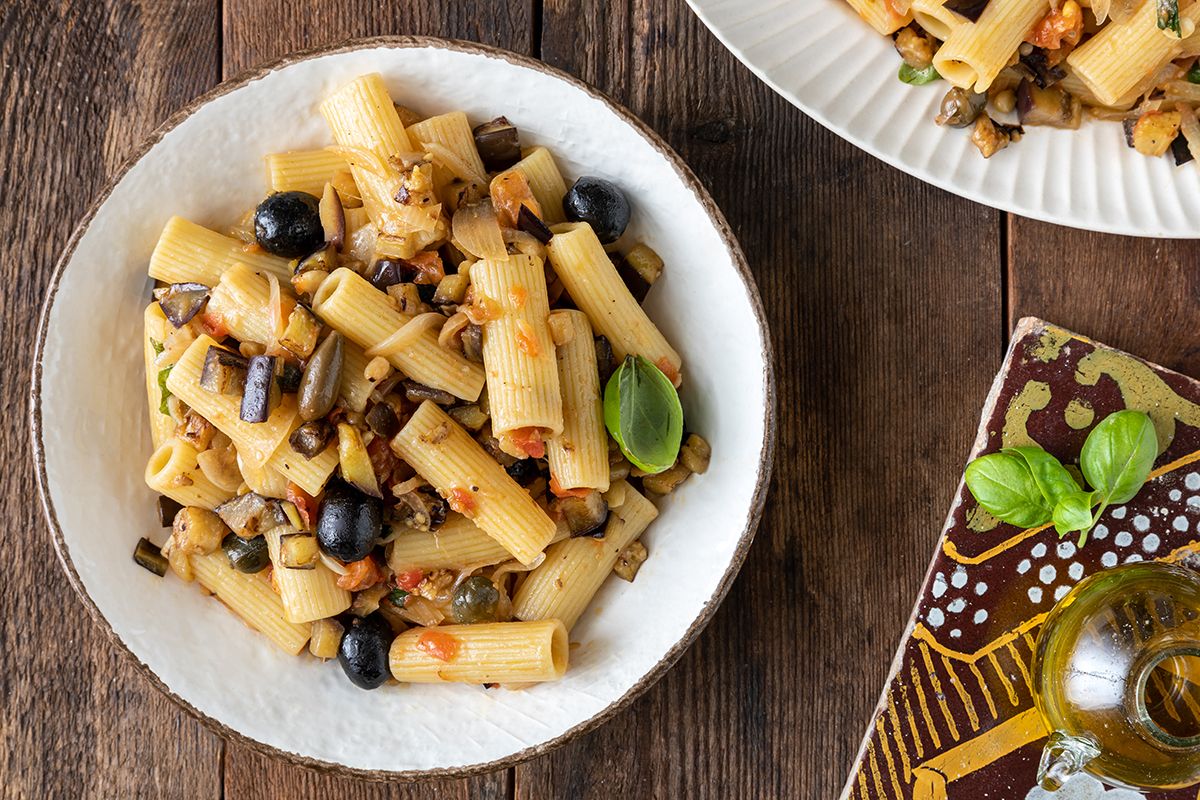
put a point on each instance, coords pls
(890, 303)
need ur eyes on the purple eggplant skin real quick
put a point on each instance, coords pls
(260, 390)
(498, 144)
(389, 271)
(533, 225)
(224, 371)
(182, 301)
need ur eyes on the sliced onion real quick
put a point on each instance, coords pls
(477, 231)
(447, 158)
(275, 309)
(334, 565)
(364, 159)
(406, 334)
(220, 467)
(451, 328)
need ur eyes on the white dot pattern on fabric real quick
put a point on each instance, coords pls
(1083, 787)
(1075, 571)
(959, 578)
(1141, 523)
(1109, 559)
(1047, 574)
(1035, 594)
(1192, 481)
(1193, 502)
(1119, 512)
(1174, 494)
(1024, 566)
(1100, 532)
(981, 616)
(1150, 543)
(1123, 539)
(1065, 549)
(1133, 559)
(1061, 592)
(939, 585)
(980, 588)
(1180, 523)
(1038, 550)
(956, 606)
(935, 617)
(956, 633)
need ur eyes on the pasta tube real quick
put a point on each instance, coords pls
(565, 583)
(458, 544)
(518, 353)
(545, 181)
(973, 55)
(187, 252)
(879, 15)
(474, 484)
(173, 470)
(252, 599)
(353, 306)
(307, 594)
(579, 455)
(156, 327)
(453, 132)
(594, 285)
(303, 170)
(497, 652)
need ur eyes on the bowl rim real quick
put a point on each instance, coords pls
(764, 469)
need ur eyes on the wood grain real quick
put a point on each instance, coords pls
(884, 299)
(81, 85)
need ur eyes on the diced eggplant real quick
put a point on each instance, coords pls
(990, 137)
(524, 471)
(298, 551)
(635, 283)
(167, 509)
(322, 379)
(971, 9)
(645, 262)
(498, 144)
(472, 343)
(960, 107)
(326, 636)
(333, 217)
(585, 516)
(606, 361)
(182, 301)
(389, 271)
(665, 482)
(1155, 131)
(1180, 151)
(470, 416)
(196, 430)
(451, 290)
(382, 420)
(1037, 65)
(323, 260)
(532, 224)
(289, 377)
(250, 514)
(197, 531)
(695, 454)
(300, 336)
(224, 371)
(149, 556)
(418, 392)
(355, 461)
(630, 560)
(422, 509)
(311, 438)
(1053, 107)
(261, 394)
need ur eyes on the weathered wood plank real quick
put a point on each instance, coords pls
(81, 84)
(884, 300)
(1135, 294)
(256, 31)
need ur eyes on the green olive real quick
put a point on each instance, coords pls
(475, 600)
(322, 379)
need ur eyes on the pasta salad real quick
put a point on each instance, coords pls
(409, 412)
(1013, 63)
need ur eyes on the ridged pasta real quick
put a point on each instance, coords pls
(453, 132)
(579, 455)
(190, 253)
(934, 17)
(307, 594)
(545, 181)
(461, 470)
(303, 170)
(975, 54)
(252, 599)
(457, 544)
(879, 15)
(173, 470)
(497, 652)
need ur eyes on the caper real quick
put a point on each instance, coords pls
(475, 600)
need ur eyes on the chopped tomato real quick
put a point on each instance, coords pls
(668, 369)
(517, 296)
(1058, 28)
(429, 267)
(214, 325)
(527, 341)
(362, 574)
(305, 503)
(558, 491)
(529, 441)
(462, 501)
(509, 192)
(481, 309)
(409, 580)
(439, 645)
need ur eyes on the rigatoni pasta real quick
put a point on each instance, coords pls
(386, 441)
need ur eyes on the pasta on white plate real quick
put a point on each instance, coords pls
(1018, 63)
(409, 412)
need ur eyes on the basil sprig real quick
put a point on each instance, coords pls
(642, 412)
(918, 77)
(1026, 486)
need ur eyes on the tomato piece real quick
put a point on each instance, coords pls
(558, 491)
(668, 369)
(439, 645)
(529, 441)
(361, 574)
(509, 192)
(305, 503)
(214, 325)
(527, 341)
(1058, 28)
(429, 267)
(409, 580)
(463, 501)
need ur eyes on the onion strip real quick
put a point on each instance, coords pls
(406, 334)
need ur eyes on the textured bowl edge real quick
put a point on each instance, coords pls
(765, 465)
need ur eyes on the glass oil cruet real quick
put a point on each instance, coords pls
(1117, 679)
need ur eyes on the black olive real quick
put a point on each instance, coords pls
(246, 555)
(363, 652)
(288, 224)
(475, 600)
(523, 471)
(599, 203)
(349, 522)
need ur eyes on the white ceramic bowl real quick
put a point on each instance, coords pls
(819, 56)
(91, 443)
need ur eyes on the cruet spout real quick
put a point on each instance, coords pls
(1063, 757)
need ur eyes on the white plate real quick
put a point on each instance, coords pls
(826, 61)
(91, 442)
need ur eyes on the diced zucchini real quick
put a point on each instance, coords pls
(326, 636)
(148, 555)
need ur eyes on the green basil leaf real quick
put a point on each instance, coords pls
(1193, 74)
(1003, 485)
(1118, 454)
(163, 391)
(1074, 513)
(1048, 472)
(1168, 16)
(918, 77)
(643, 414)
(157, 345)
